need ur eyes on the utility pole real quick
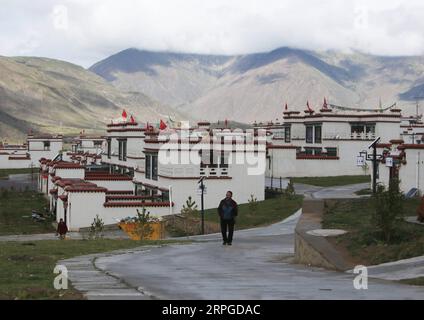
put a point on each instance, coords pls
(202, 202)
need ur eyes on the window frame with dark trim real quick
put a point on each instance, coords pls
(122, 149)
(287, 133)
(313, 133)
(151, 166)
(46, 145)
(109, 147)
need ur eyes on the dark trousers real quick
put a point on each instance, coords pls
(227, 225)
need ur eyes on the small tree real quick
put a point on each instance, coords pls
(144, 222)
(253, 203)
(189, 208)
(96, 229)
(388, 208)
(289, 192)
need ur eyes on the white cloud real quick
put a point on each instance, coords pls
(84, 31)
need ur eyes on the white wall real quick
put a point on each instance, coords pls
(70, 173)
(411, 174)
(84, 206)
(285, 164)
(114, 185)
(5, 163)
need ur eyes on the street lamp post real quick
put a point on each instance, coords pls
(373, 145)
(202, 202)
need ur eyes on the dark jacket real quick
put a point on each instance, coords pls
(232, 203)
(62, 228)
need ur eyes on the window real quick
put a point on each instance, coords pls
(309, 151)
(46, 145)
(360, 127)
(122, 150)
(331, 152)
(314, 133)
(165, 196)
(98, 143)
(109, 148)
(309, 134)
(357, 127)
(370, 128)
(287, 134)
(223, 162)
(317, 138)
(209, 158)
(148, 167)
(205, 158)
(313, 151)
(152, 166)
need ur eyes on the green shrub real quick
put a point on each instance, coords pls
(388, 208)
(96, 229)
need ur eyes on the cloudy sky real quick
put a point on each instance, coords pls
(86, 31)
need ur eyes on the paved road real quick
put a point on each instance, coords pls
(257, 266)
(337, 192)
(316, 192)
(113, 234)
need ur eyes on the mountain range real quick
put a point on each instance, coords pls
(47, 95)
(256, 86)
(51, 96)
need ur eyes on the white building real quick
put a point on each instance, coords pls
(77, 195)
(28, 154)
(412, 129)
(88, 144)
(176, 159)
(403, 161)
(138, 152)
(157, 170)
(326, 142)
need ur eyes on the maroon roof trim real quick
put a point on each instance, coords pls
(118, 192)
(136, 204)
(316, 157)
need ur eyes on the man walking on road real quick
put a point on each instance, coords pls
(228, 211)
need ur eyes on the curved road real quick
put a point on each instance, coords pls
(257, 266)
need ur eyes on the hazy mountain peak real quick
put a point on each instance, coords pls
(254, 86)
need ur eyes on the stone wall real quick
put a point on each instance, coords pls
(314, 250)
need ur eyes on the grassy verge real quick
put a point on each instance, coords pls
(331, 181)
(15, 213)
(4, 173)
(26, 269)
(361, 242)
(364, 192)
(415, 281)
(264, 213)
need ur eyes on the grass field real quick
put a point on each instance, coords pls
(266, 212)
(4, 173)
(26, 269)
(331, 181)
(15, 213)
(361, 242)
